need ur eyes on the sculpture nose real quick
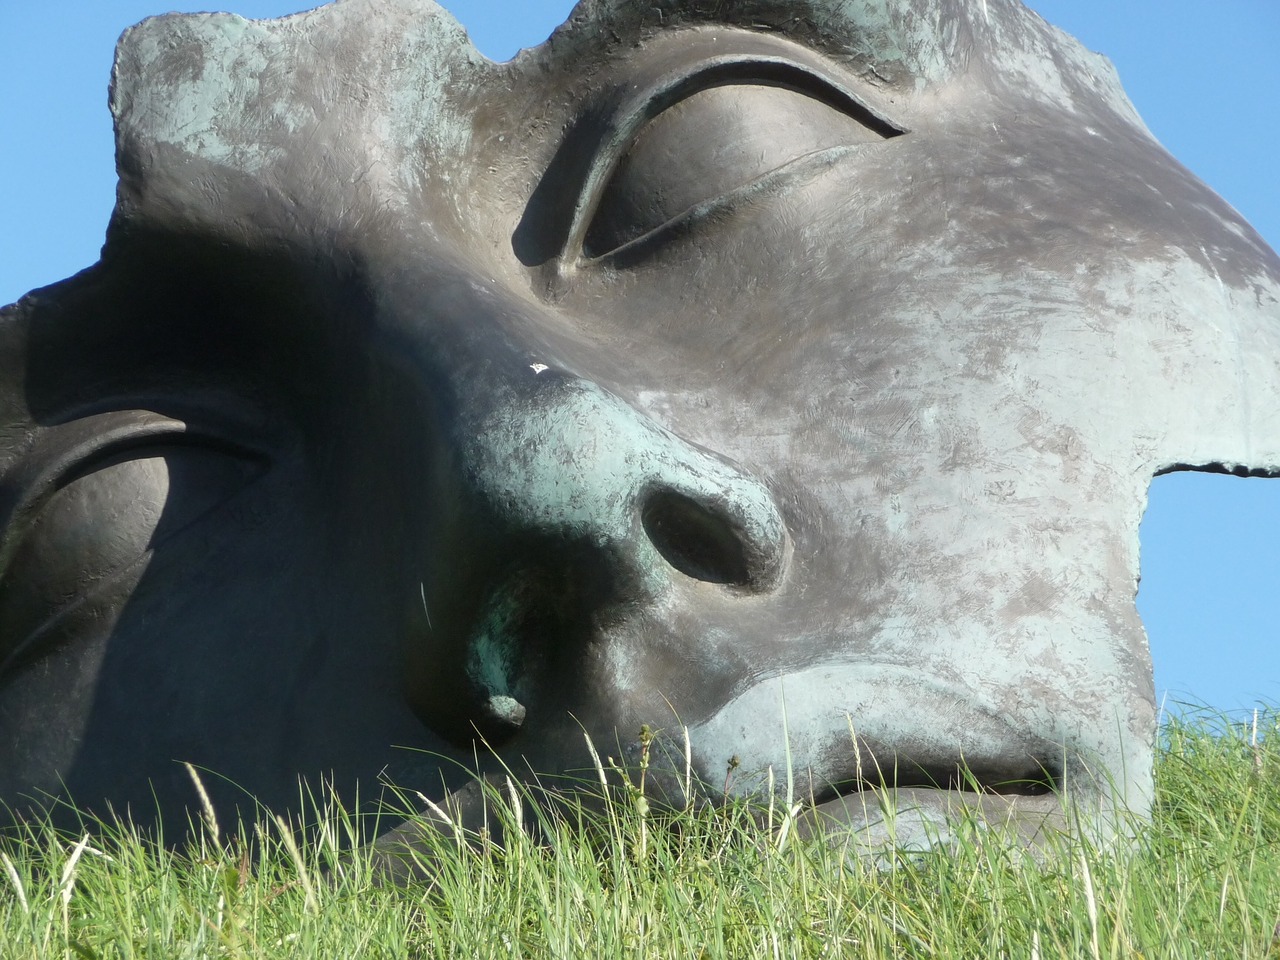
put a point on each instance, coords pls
(596, 520)
(706, 541)
(573, 460)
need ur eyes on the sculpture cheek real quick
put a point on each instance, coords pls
(87, 547)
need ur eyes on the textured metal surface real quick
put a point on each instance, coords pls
(789, 371)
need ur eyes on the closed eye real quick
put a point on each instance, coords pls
(708, 139)
(88, 503)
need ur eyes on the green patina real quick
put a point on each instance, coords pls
(493, 657)
(193, 81)
(229, 90)
(577, 460)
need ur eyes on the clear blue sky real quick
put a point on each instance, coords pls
(1205, 74)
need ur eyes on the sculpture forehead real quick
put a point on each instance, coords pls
(402, 75)
(915, 42)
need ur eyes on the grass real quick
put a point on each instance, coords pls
(1201, 880)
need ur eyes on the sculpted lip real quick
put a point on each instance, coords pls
(918, 818)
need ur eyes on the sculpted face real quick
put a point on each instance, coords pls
(793, 372)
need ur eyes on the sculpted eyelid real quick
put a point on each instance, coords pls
(636, 111)
(802, 167)
(71, 448)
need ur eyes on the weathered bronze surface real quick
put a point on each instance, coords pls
(792, 372)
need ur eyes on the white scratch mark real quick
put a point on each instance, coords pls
(422, 588)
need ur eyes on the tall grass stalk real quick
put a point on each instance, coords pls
(1201, 880)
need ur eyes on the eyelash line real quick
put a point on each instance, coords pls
(802, 167)
(81, 606)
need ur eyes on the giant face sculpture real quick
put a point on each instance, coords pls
(789, 371)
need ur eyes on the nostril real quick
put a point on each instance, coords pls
(695, 539)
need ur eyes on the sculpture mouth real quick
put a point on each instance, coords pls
(865, 760)
(1035, 780)
(915, 807)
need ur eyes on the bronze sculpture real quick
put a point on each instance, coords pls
(792, 371)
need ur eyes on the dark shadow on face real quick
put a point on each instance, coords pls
(212, 569)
